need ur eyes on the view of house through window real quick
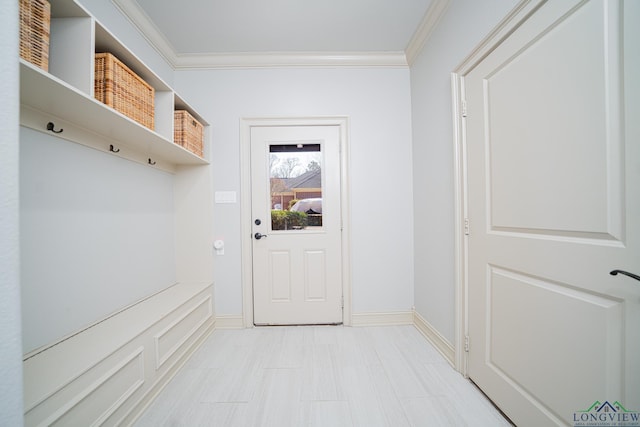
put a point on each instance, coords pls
(296, 186)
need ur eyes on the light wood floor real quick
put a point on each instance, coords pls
(326, 376)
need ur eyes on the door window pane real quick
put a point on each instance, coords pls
(296, 186)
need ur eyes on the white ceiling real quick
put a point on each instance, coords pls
(197, 29)
(225, 26)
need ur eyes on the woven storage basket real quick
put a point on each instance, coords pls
(120, 88)
(188, 132)
(35, 24)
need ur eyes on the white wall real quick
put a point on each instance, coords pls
(96, 233)
(109, 16)
(463, 26)
(377, 103)
(10, 334)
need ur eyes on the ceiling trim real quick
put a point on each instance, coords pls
(140, 20)
(432, 16)
(138, 17)
(291, 60)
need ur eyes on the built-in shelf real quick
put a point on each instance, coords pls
(54, 98)
(65, 94)
(109, 372)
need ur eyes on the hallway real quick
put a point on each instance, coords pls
(319, 376)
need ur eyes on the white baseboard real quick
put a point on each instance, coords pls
(382, 319)
(434, 337)
(229, 321)
(236, 321)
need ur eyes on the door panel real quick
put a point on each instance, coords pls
(280, 279)
(529, 350)
(297, 259)
(564, 99)
(554, 206)
(315, 281)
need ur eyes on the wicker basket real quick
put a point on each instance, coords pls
(120, 88)
(188, 132)
(35, 24)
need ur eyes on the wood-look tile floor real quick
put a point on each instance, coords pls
(327, 376)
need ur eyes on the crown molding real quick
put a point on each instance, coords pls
(432, 16)
(140, 20)
(292, 60)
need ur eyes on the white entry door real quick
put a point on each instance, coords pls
(296, 247)
(553, 176)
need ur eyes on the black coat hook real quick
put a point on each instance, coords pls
(151, 163)
(113, 150)
(51, 126)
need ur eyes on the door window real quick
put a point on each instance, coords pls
(295, 174)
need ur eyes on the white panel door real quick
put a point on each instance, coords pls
(297, 271)
(553, 171)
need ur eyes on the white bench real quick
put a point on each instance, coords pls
(109, 372)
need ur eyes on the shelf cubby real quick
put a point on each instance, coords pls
(66, 93)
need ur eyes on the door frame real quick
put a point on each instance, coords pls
(510, 23)
(245, 205)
